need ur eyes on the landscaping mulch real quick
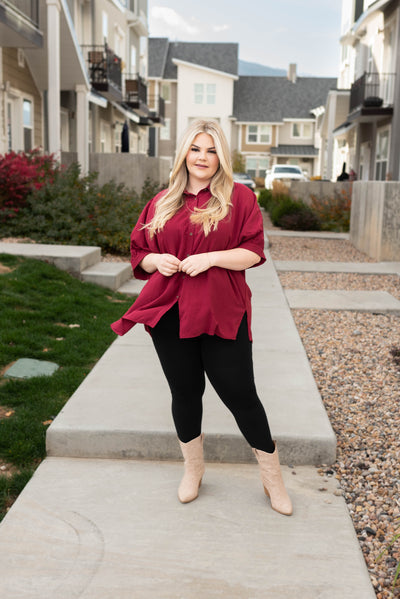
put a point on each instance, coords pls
(355, 359)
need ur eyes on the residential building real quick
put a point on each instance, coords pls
(277, 120)
(266, 119)
(195, 80)
(73, 75)
(362, 121)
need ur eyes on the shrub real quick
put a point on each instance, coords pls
(75, 210)
(238, 162)
(293, 215)
(265, 199)
(333, 212)
(279, 190)
(20, 174)
(302, 220)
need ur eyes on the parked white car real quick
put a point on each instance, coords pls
(285, 173)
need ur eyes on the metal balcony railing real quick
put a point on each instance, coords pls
(372, 90)
(135, 90)
(157, 108)
(104, 67)
(29, 9)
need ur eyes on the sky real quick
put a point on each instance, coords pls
(269, 32)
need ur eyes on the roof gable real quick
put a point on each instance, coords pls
(217, 56)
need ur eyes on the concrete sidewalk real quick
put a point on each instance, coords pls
(114, 529)
(122, 409)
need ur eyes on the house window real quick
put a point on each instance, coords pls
(117, 136)
(211, 93)
(382, 154)
(256, 166)
(166, 92)
(165, 131)
(259, 134)
(119, 43)
(105, 136)
(205, 93)
(28, 124)
(302, 130)
(198, 93)
(251, 166)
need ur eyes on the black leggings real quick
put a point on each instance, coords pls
(229, 368)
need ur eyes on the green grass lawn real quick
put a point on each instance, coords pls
(38, 303)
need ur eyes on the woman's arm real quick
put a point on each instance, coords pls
(235, 259)
(166, 264)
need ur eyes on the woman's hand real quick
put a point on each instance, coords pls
(194, 265)
(166, 264)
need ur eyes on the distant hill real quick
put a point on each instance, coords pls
(259, 70)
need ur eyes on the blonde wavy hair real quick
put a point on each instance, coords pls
(221, 185)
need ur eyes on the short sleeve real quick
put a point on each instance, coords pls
(140, 243)
(251, 234)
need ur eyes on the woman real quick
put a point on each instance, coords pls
(193, 242)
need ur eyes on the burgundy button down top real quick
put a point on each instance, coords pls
(213, 302)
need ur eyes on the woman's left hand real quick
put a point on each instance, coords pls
(194, 265)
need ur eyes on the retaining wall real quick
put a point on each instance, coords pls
(130, 169)
(303, 190)
(375, 219)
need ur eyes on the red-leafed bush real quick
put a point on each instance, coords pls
(334, 211)
(20, 174)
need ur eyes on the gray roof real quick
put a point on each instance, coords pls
(294, 150)
(157, 55)
(219, 56)
(271, 99)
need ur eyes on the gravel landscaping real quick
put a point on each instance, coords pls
(355, 359)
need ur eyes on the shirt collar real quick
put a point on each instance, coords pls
(204, 190)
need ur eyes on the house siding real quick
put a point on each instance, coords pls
(21, 80)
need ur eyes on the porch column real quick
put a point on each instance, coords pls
(53, 63)
(356, 165)
(394, 150)
(330, 145)
(82, 127)
(373, 152)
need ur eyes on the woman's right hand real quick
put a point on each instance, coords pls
(166, 264)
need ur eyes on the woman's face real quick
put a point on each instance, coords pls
(202, 161)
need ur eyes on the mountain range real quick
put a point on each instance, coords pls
(258, 70)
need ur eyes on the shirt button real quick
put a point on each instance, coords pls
(190, 233)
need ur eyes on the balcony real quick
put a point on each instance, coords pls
(136, 92)
(19, 24)
(373, 93)
(157, 109)
(104, 68)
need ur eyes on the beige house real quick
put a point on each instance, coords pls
(361, 123)
(73, 76)
(277, 121)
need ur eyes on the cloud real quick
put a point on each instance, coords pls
(167, 22)
(219, 28)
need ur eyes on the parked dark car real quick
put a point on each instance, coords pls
(245, 179)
